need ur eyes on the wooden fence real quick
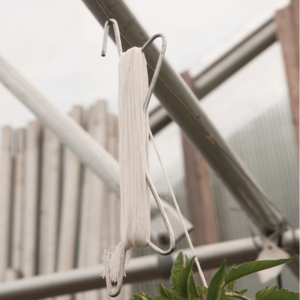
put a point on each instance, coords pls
(55, 214)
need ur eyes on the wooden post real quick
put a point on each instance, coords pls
(98, 200)
(18, 208)
(49, 203)
(5, 198)
(200, 196)
(287, 21)
(31, 200)
(70, 204)
(85, 207)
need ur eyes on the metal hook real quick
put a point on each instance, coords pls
(110, 291)
(149, 181)
(165, 218)
(117, 36)
(158, 65)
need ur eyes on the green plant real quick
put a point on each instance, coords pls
(222, 284)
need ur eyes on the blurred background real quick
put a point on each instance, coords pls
(56, 46)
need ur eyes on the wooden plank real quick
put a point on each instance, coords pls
(93, 197)
(5, 197)
(98, 199)
(49, 202)
(85, 206)
(201, 203)
(200, 196)
(18, 207)
(70, 204)
(287, 21)
(31, 199)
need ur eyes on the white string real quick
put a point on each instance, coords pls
(133, 158)
(179, 213)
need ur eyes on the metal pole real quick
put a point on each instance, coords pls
(223, 67)
(138, 269)
(181, 104)
(78, 140)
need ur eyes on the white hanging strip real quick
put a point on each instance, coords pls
(133, 149)
(133, 157)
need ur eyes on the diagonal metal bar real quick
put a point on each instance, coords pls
(80, 142)
(138, 269)
(181, 104)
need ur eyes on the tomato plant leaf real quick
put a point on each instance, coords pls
(201, 291)
(142, 296)
(164, 292)
(178, 265)
(274, 294)
(253, 267)
(243, 291)
(231, 285)
(181, 279)
(215, 290)
(191, 287)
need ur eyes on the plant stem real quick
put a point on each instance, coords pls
(237, 296)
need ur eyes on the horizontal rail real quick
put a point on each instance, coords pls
(138, 269)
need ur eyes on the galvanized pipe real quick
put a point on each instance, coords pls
(224, 66)
(235, 58)
(181, 104)
(138, 269)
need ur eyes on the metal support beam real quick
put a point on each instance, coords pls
(138, 269)
(181, 104)
(79, 141)
(220, 69)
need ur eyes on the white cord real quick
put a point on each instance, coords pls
(179, 214)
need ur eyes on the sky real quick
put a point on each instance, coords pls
(56, 45)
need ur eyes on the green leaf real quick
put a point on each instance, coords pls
(164, 292)
(244, 291)
(142, 296)
(215, 290)
(261, 292)
(253, 267)
(202, 290)
(274, 294)
(181, 279)
(178, 266)
(192, 290)
(231, 285)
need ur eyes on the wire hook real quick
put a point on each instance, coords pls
(158, 65)
(114, 23)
